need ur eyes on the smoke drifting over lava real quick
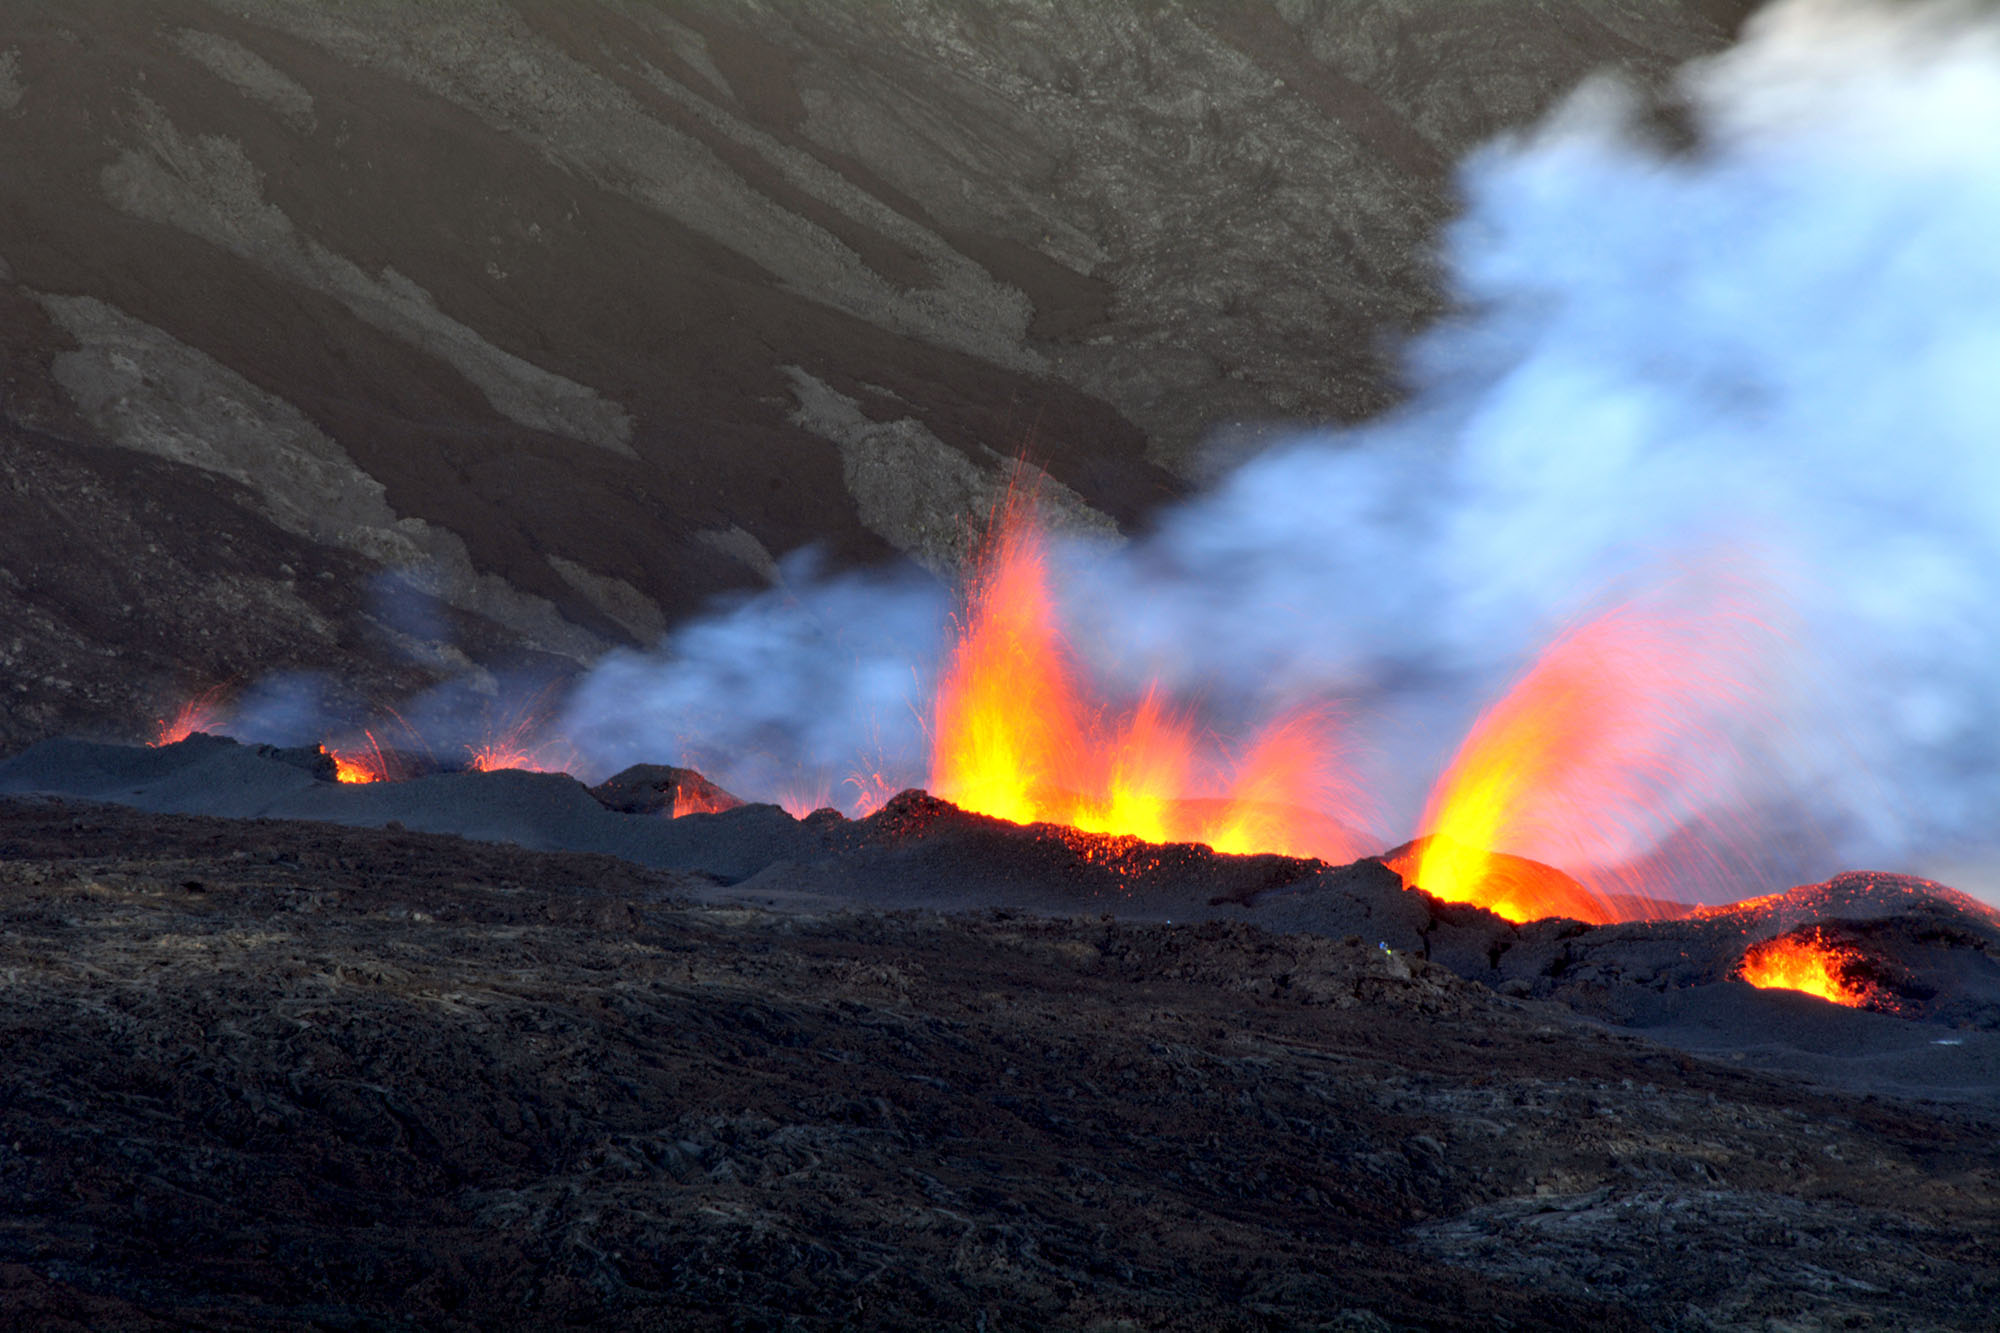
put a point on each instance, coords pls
(1759, 369)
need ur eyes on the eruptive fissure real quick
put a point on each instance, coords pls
(1581, 762)
(1017, 735)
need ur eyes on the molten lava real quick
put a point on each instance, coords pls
(521, 743)
(864, 792)
(1015, 738)
(1806, 961)
(1588, 758)
(553, 756)
(360, 763)
(354, 771)
(1510, 886)
(707, 799)
(201, 713)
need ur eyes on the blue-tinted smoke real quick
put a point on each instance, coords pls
(796, 689)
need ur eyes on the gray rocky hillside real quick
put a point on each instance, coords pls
(398, 340)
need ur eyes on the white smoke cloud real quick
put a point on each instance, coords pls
(791, 691)
(1776, 353)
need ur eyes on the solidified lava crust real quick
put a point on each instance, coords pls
(282, 1075)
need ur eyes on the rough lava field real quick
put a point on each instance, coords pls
(930, 1070)
(267, 1074)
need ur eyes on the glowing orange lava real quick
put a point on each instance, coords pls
(1806, 962)
(1511, 886)
(551, 756)
(1590, 757)
(360, 764)
(522, 743)
(201, 713)
(870, 790)
(690, 800)
(354, 771)
(1013, 736)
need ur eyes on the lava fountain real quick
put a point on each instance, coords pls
(201, 713)
(1016, 737)
(522, 740)
(1599, 750)
(512, 750)
(360, 763)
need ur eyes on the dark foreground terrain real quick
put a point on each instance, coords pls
(285, 1075)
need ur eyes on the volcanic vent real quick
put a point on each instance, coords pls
(1051, 799)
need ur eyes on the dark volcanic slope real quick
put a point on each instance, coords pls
(1926, 957)
(267, 1075)
(586, 310)
(129, 585)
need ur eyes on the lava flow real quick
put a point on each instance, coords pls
(1014, 737)
(1806, 961)
(1586, 759)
